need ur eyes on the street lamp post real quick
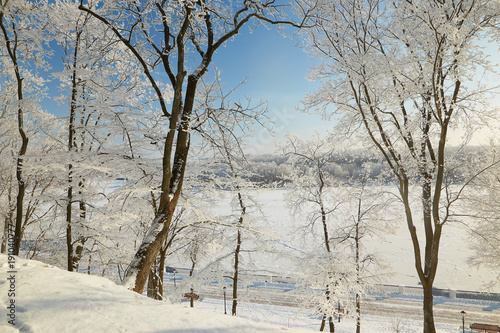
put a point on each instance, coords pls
(463, 321)
(225, 312)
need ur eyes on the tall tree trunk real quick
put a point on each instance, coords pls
(71, 145)
(21, 185)
(325, 227)
(19, 175)
(69, 236)
(173, 167)
(328, 249)
(238, 247)
(172, 180)
(236, 271)
(430, 262)
(358, 268)
(358, 313)
(239, 225)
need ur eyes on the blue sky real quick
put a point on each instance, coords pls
(276, 71)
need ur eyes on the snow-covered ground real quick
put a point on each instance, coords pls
(44, 298)
(48, 299)
(40, 298)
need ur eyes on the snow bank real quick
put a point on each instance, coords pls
(43, 298)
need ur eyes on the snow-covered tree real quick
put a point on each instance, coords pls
(402, 75)
(339, 212)
(101, 137)
(312, 190)
(23, 54)
(225, 136)
(334, 276)
(182, 37)
(367, 215)
(483, 206)
(311, 184)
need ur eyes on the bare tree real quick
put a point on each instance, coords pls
(7, 165)
(24, 203)
(179, 36)
(99, 131)
(400, 73)
(11, 41)
(312, 186)
(483, 207)
(22, 46)
(226, 135)
(366, 214)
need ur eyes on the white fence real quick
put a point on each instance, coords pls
(385, 288)
(418, 291)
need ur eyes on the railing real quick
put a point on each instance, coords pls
(418, 291)
(387, 288)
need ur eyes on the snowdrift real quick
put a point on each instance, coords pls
(37, 297)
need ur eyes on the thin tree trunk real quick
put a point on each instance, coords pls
(7, 222)
(161, 269)
(71, 145)
(238, 248)
(328, 249)
(358, 278)
(69, 236)
(236, 271)
(191, 272)
(430, 263)
(240, 223)
(80, 242)
(358, 313)
(19, 176)
(331, 325)
(325, 228)
(12, 49)
(5, 236)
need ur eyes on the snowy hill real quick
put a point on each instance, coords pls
(48, 299)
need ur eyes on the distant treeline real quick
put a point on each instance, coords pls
(276, 170)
